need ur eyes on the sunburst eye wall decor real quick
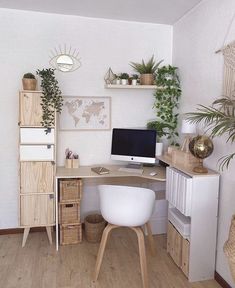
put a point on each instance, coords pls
(65, 59)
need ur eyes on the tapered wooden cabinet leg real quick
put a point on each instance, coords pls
(150, 238)
(143, 263)
(25, 236)
(103, 242)
(48, 228)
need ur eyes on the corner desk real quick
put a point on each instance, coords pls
(84, 172)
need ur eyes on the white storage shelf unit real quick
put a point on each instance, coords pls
(196, 196)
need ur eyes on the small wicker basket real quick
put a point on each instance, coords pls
(229, 247)
(94, 226)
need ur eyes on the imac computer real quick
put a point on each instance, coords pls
(135, 146)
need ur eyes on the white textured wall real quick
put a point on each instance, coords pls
(196, 38)
(26, 39)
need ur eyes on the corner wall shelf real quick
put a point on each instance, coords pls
(116, 86)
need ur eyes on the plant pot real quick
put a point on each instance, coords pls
(146, 79)
(159, 149)
(29, 84)
(134, 82)
(124, 81)
(118, 81)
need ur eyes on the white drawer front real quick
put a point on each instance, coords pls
(36, 152)
(36, 136)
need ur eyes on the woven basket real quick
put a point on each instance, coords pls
(229, 248)
(94, 226)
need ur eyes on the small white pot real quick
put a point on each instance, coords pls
(159, 149)
(134, 82)
(118, 81)
(124, 81)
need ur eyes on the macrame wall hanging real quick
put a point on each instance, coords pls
(229, 64)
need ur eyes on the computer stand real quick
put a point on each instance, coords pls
(133, 168)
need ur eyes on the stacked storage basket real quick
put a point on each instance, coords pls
(70, 194)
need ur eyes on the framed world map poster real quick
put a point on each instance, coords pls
(85, 113)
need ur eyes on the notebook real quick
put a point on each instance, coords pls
(100, 170)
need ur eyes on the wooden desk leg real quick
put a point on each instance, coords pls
(48, 228)
(150, 238)
(143, 263)
(25, 236)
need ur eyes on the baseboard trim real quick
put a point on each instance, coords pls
(20, 230)
(221, 281)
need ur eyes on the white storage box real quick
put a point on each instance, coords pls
(181, 222)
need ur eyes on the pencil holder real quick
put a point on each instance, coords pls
(68, 163)
(75, 163)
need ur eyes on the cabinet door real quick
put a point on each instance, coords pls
(30, 109)
(36, 177)
(174, 244)
(185, 256)
(37, 210)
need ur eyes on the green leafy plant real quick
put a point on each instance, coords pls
(124, 76)
(166, 103)
(29, 76)
(51, 97)
(146, 68)
(134, 76)
(219, 118)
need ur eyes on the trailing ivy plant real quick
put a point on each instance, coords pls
(51, 99)
(166, 103)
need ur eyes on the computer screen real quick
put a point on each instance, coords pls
(133, 145)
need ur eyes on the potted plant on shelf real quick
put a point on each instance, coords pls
(117, 79)
(166, 104)
(134, 78)
(51, 99)
(146, 70)
(124, 78)
(29, 82)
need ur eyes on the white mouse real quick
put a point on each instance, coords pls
(153, 173)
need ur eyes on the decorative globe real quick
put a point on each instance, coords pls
(201, 147)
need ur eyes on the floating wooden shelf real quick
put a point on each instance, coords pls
(116, 86)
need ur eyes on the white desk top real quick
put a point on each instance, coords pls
(85, 172)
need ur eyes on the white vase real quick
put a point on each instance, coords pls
(118, 81)
(134, 82)
(159, 149)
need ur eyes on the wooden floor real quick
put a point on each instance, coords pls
(39, 265)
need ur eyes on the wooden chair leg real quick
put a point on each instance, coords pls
(150, 238)
(143, 263)
(100, 255)
(25, 236)
(48, 228)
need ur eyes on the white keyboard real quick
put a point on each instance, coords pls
(131, 170)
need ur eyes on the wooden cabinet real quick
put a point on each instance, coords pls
(37, 166)
(30, 108)
(191, 236)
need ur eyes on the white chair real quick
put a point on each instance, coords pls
(129, 207)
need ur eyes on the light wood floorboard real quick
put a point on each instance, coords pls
(38, 265)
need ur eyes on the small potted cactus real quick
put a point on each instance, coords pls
(29, 81)
(124, 78)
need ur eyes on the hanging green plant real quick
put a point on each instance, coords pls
(166, 103)
(51, 99)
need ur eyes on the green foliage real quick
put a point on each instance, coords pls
(124, 76)
(161, 128)
(146, 68)
(51, 97)
(134, 76)
(219, 118)
(166, 103)
(29, 76)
